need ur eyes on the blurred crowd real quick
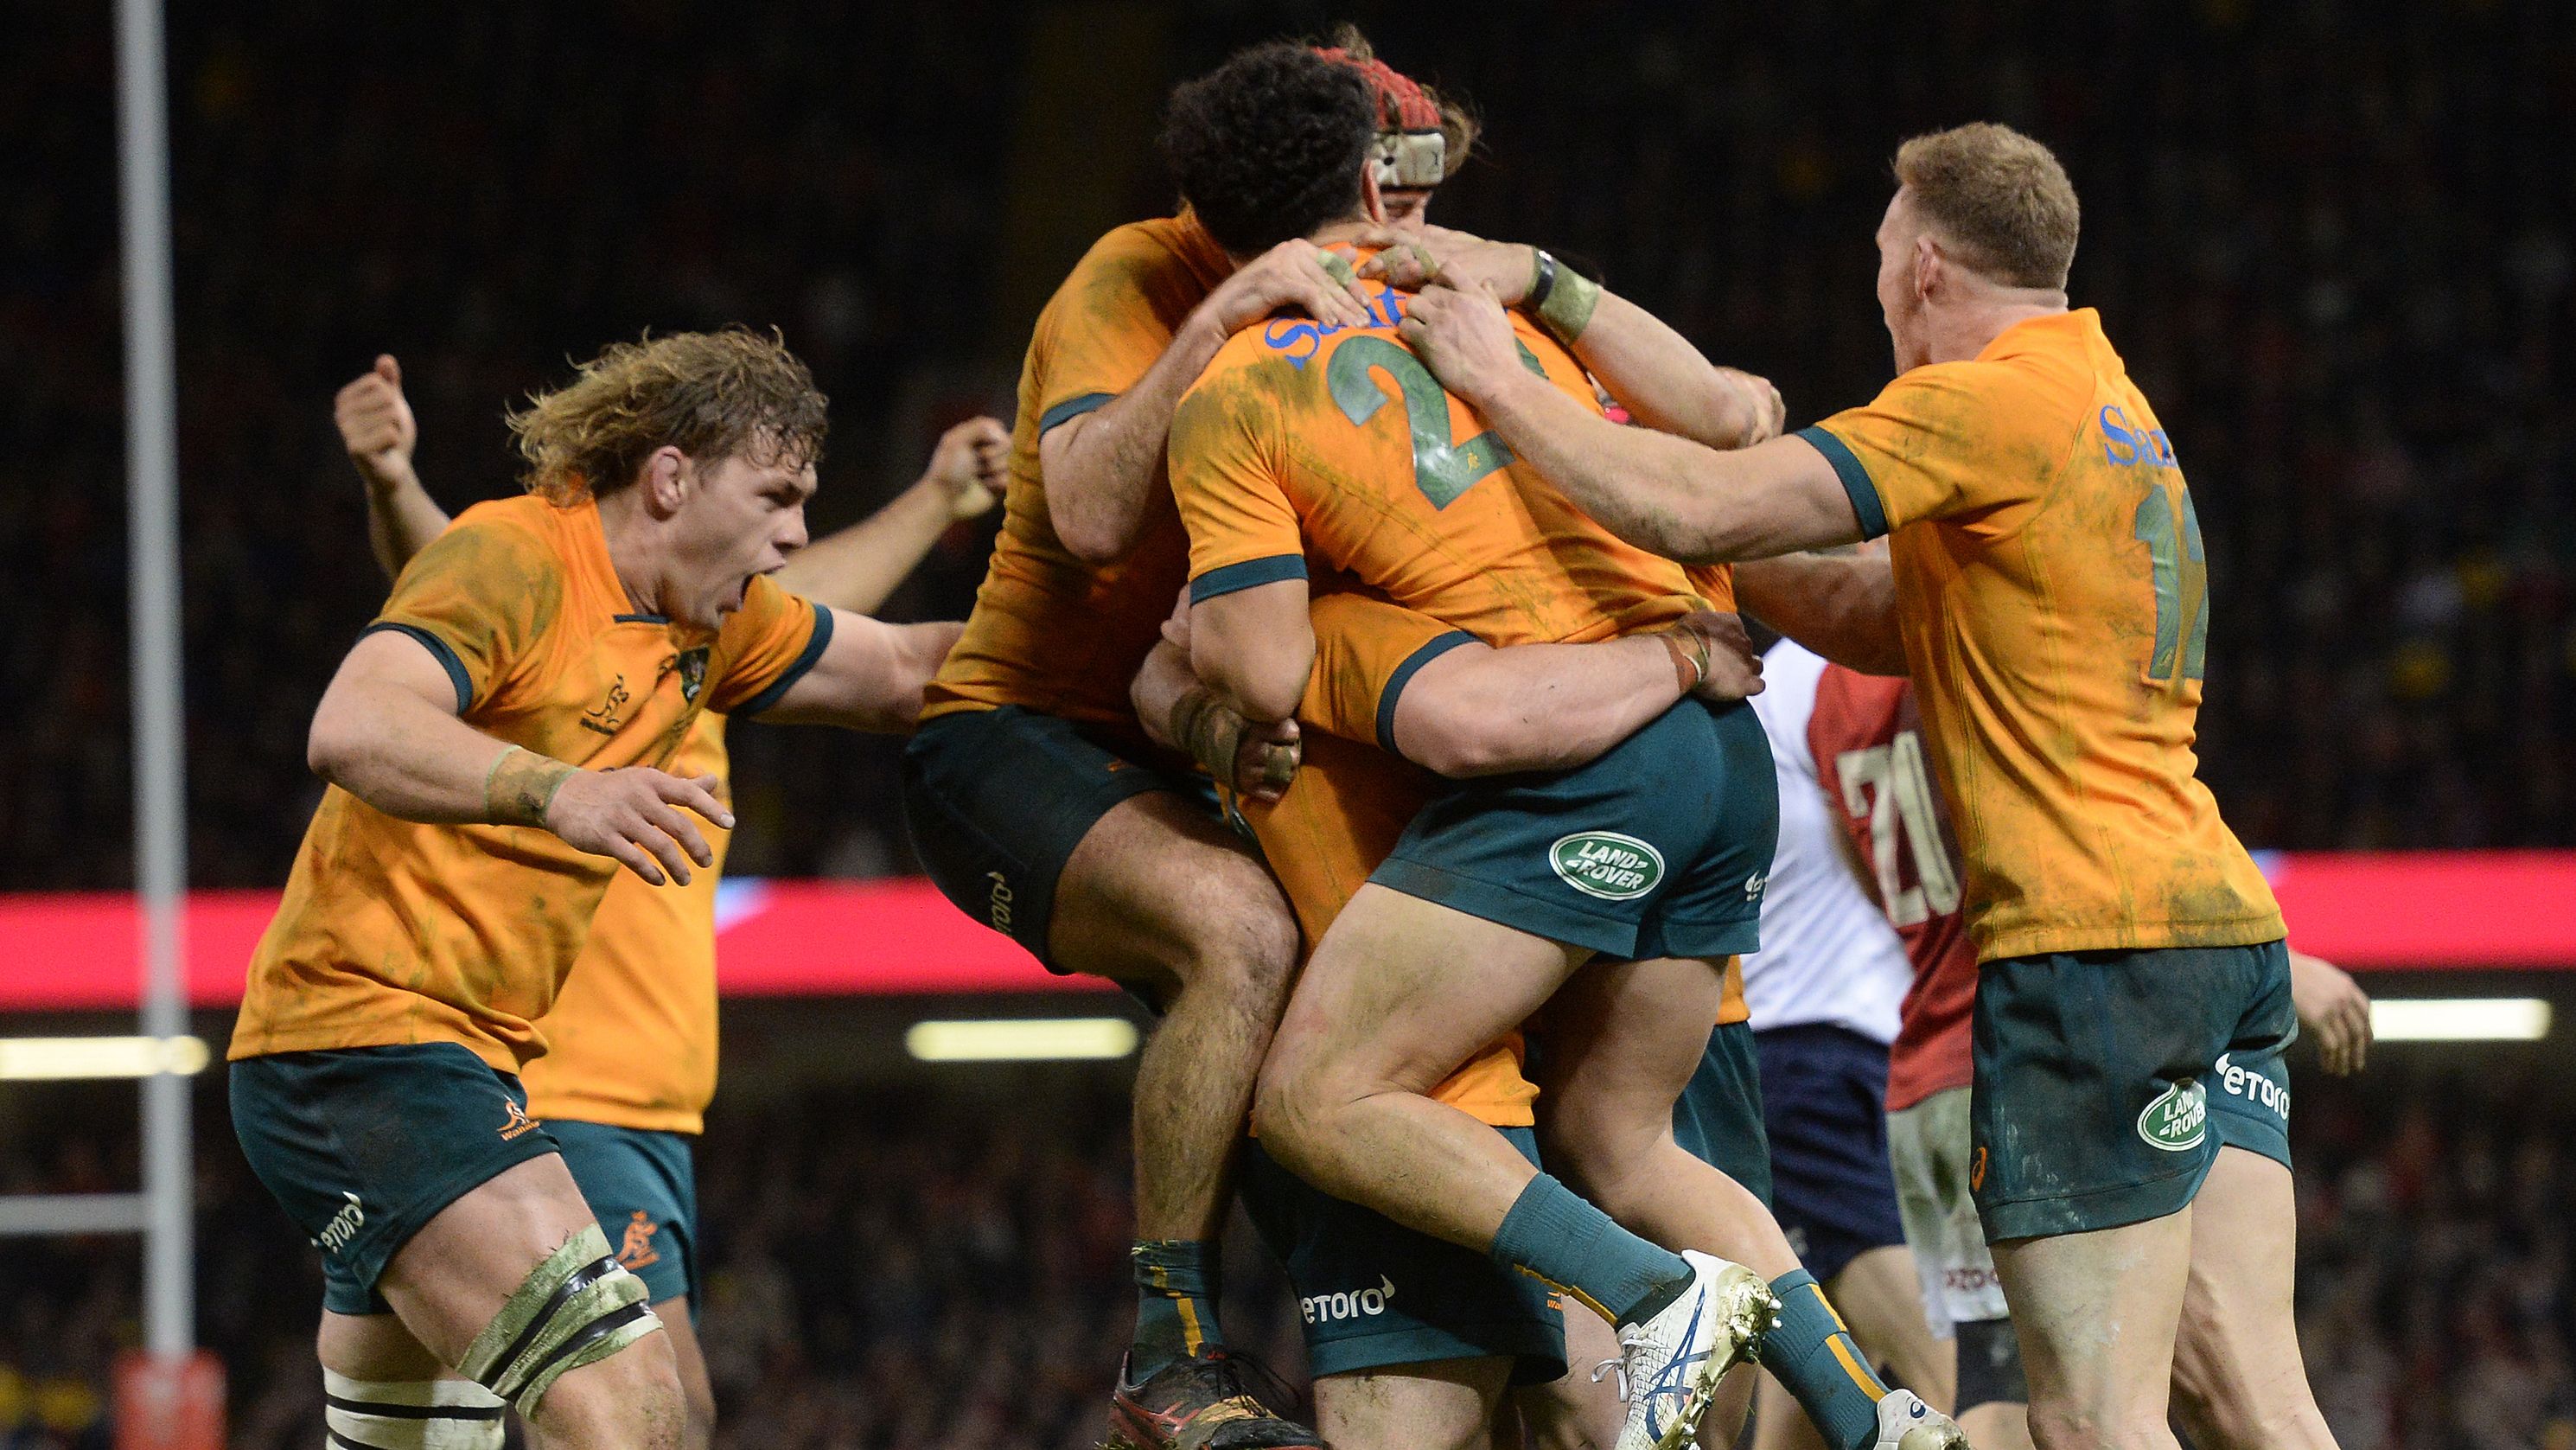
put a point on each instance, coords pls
(2336, 245)
(914, 1266)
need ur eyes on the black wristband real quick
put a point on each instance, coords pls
(1544, 283)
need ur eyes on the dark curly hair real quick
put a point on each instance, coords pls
(1269, 145)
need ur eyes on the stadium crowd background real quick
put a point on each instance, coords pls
(2338, 245)
(2338, 251)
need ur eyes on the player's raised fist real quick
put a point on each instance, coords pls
(971, 465)
(376, 424)
(635, 815)
(1297, 274)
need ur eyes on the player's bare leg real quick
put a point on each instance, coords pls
(1443, 1405)
(1998, 1427)
(1159, 897)
(2239, 1382)
(1385, 1009)
(1624, 1039)
(1396, 996)
(697, 1389)
(380, 1387)
(456, 1276)
(2096, 1314)
(1576, 1412)
(1881, 1297)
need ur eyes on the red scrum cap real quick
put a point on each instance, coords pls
(1411, 150)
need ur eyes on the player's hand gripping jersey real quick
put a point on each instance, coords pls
(1305, 449)
(396, 932)
(631, 1041)
(2053, 596)
(1050, 632)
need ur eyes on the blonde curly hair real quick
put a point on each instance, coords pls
(712, 395)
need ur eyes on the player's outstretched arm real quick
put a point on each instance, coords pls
(387, 732)
(377, 428)
(1669, 495)
(1477, 710)
(1101, 467)
(871, 674)
(1841, 603)
(857, 567)
(1654, 371)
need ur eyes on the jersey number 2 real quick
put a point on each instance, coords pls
(1443, 468)
(2182, 585)
(1889, 784)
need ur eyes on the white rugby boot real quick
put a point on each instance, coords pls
(1670, 1365)
(1906, 1423)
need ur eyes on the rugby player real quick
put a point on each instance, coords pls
(495, 746)
(631, 1043)
(1899, 826)
(1041, 809)
(2050, 595)
(1273, 458)
(1422, 1361)
(1824, 992)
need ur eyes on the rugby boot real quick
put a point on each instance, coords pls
(1906, 1423)
(1199, 1403)
(1671, 1363)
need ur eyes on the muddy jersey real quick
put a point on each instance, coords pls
(2052, 593)
(391, 931)
(1049, 632)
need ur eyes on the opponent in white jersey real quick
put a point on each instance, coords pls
(1825, 991)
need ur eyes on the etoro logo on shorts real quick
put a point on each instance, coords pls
(2178, 1119)
(1325, 1308)
(1606, 864)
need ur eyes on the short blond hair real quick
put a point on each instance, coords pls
(712, 395)
(1999, 198)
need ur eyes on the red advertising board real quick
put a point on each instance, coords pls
(2391, 911)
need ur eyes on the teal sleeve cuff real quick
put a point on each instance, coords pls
(778, 688)
(1431, 649)
(1072, 408)
(446, 656)
(1856, 482)
(1250, 574)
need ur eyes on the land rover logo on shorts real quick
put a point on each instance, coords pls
(2177, 1120)
(1606, 864)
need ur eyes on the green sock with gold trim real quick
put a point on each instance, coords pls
(1176, 1289)
(1813, 1355)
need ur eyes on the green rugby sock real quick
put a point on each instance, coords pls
(1176, 1289)
(1553, 1235)
(1812, 1353)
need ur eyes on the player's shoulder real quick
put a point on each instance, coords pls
(2037, 368)
(1142, 256)
(517, 543)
